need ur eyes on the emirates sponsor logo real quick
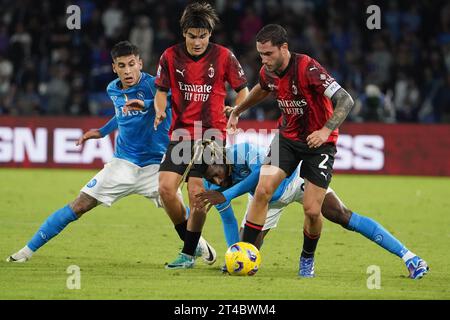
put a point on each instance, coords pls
(295, 107)
(195, 88)
(292, 103)
(195, 92)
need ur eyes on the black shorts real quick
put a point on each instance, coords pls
(317, 165)
(178, 156)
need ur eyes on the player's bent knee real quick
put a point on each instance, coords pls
(193, 191)
(312, 212)
(167, 191)
(263, 193)
(195, 186)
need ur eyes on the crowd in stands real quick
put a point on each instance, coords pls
(398, 73)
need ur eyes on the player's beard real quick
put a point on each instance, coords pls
(275, 67)
(278, 65)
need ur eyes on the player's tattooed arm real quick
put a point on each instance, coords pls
(342, 103)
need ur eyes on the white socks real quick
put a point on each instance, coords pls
(408, 255)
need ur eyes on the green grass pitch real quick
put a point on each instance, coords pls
(121, 251)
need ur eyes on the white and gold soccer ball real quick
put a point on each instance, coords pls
(242, 259)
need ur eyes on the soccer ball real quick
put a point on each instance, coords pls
(242, 259)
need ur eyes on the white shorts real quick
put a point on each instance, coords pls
(293, 193)
(120, 178)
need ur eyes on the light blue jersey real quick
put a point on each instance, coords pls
(247, 160)
(137, 140)
(246, 165)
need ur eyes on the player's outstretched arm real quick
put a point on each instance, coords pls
(209, 198)
(342, 103)
(91, 134)
(213, 197)
(160, 107)
(109, 127)
(241, 96)
(257, 94)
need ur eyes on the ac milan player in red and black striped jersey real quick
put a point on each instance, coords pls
(195, 72)
(308, 131)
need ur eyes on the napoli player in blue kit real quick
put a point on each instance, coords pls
(239, 173)
(134, 168)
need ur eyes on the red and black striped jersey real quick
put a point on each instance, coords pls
(303, 92)
(197, 86)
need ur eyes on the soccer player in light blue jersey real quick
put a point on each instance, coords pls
(139, 150)
(239, 174)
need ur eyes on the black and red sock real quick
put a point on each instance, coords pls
(309, 244)
(251, 232)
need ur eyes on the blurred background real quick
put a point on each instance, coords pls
(400, 73)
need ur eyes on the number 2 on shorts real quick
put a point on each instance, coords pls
(322, 164)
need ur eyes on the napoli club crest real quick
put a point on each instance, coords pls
(211, 71)
(244, 172)
(140, 95)
(91, 183)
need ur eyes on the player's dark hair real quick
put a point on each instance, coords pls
(199, 15)
(124, 48)
(274, 33)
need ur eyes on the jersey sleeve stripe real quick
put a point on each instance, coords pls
(162, 88)
(225, 208)
(241, 87)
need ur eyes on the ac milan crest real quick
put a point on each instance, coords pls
(211, 71)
